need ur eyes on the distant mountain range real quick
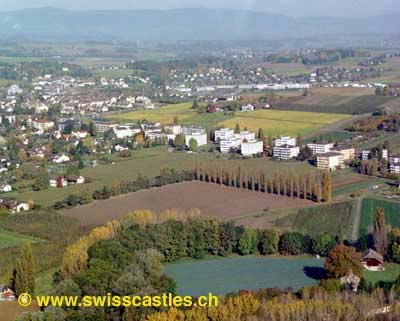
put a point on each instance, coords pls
(181, 24)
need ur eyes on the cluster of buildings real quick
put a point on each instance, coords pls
(244, 141)
(63, 181)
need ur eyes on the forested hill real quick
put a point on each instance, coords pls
(180, 24)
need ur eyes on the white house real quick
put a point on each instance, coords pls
(365, 154)
(14, 90)
(285, 140)
(251, 147)
(286, 152)
(173, 129)
(394, 168)
(5, 188)
(124, 131)
(61, 159)
(247, 108)
(246, 135)
(200, 138)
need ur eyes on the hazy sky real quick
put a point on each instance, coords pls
(288, 7)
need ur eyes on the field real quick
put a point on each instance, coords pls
(224, 275)
(276, 123)
(10, 310)
(9, 239)
(336, 100)
(147, 162)
(212, 200)
(369, 206)
(391, 273)
(336, 219)
(163, 115)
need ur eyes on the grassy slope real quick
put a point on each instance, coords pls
(9, 239)
(391, 273)
(369, 206)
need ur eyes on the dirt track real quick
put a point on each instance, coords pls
(212, 200)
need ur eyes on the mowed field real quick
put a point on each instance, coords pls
(212, 200)
(278, 122)
(8, 239)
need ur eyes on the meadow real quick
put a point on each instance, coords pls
(277, 122)
(9, 239)
(369, 206)
(224, 275)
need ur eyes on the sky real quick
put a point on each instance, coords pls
(338, 8)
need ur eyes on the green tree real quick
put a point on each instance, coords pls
(260, 133)
(237, 128)
(322, 244)
(195, 104)
(379, 234)
(72, 170)
(269, 240)
(42, 182)
(193, 145)
(292, 243)
(179, 141)
(176, 120)
(299, 140)
(24, 275)
(248, 242)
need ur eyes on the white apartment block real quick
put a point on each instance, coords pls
(200, 138)
(330, 160)
(246, 135)
(42, 124)
(226, 145)
(252, 147)
(348, 153)
(286, 152)
(173, 129)
(285, 140)
(394, 159)
(223, 134)
(124, 131)
(385, 154)
(320, 148)
(103, 126)
(193, 130)
(395, 168)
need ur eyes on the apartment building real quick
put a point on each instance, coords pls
(227, 145)
(246, 135)
(103, 126)
(223, 134)
(347, 152)
(42, 124)
(320, 148)
(251, 147)
(285, 140)
(286, 152)
(330, 161)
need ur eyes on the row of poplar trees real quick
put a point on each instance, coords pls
(315, 186)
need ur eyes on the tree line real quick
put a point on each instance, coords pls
(313, 186)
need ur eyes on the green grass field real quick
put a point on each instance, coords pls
(369, 206)
(224, 275)
(391, 273)
(277, 122)
(9, 239)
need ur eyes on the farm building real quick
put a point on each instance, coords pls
(372, 261)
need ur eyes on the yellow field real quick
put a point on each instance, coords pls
(276, 122)
(163, 115)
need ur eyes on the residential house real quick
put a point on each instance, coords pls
(73, 179)
(5, 188)
(42, 124)
(247, 108)
(372, 261)
(58, 181)
(58, 159)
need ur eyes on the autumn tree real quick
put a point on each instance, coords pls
(326, 186)
(342, 260)
(379, 235)
(24, 275)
